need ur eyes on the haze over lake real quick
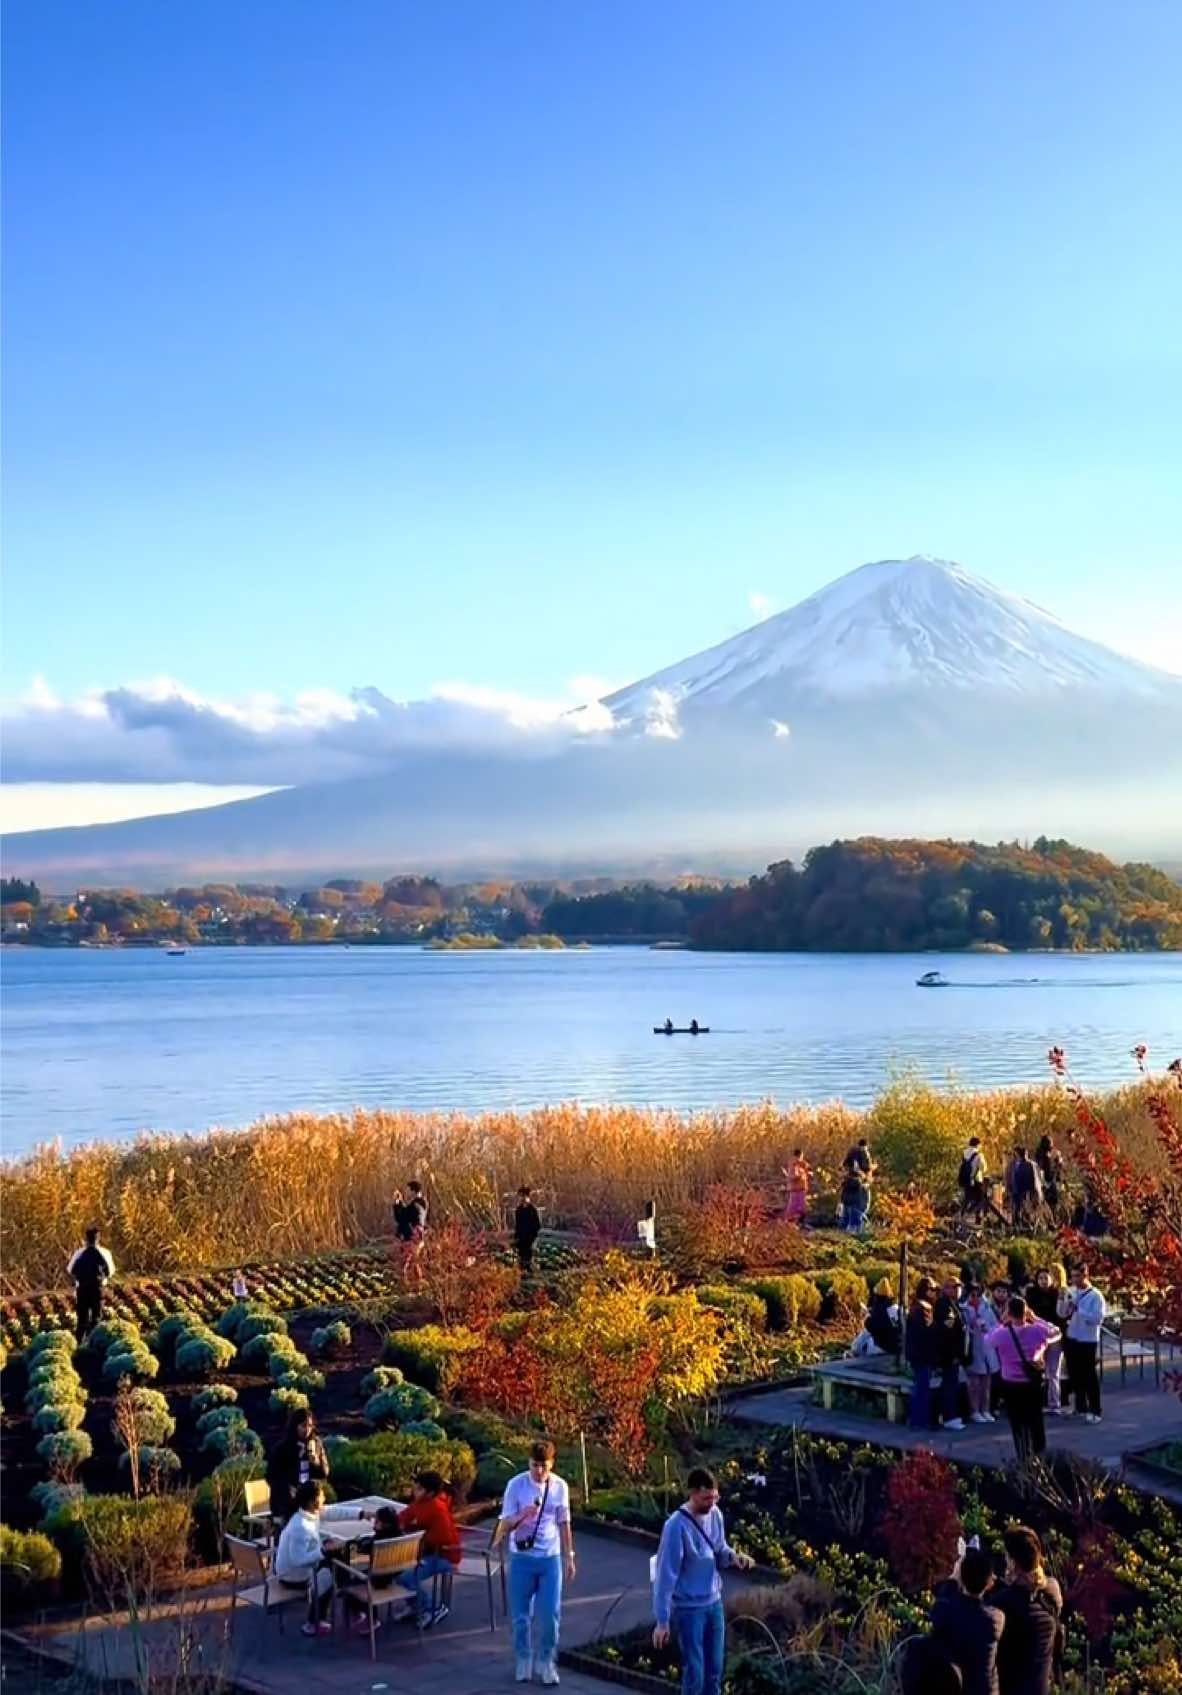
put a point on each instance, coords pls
(104, 1044)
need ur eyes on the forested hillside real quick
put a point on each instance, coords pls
(880, 895)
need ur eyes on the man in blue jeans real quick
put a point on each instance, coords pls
(535, 1516)
(687, 1585)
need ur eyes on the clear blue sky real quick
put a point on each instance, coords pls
(360, 341)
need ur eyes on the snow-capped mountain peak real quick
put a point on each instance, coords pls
(899, 625)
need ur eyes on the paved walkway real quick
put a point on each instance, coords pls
(459, 1657)
(1134, 1417)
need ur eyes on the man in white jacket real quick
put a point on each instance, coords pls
(299, 1556)
(1083, 1309)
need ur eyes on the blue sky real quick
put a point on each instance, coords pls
(506, 344)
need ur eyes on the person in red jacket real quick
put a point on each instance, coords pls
(430, 1512)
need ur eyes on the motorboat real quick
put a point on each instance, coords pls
(932, 980)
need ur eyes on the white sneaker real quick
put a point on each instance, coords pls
(550, 1672)
(979, 1418)
(954, 1424)
(524, 1672)
(1091, 1418)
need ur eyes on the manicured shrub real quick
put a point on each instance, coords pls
(64, 1451)
(128, 1545)
(284, 1364)
(260, 1324)
(217, 1395)
(288, 1401)
(229, 1441)
(307, 1381)
(400, 1405)
(132, 1362)
(51, 1496)
(219, 1418)
(154, 1423)
(386, 1463)
(55, 1388)
(432, 1356)
(230, 1321)
(50, 1342)
(58, 1415)
(847, 1289)
(27, 1558)
(170, 1329)
(381, 1377)
(203, 1354)
(219, 1504)
(114, 1333)
(258, 1350)
(741, 1304)
(156, 1464)
(332, 1339)
(790, 1300)
(424, 1427)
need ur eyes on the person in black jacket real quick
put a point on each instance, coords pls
(965, 1627)
(527, 1227)
(91, 1267)
(1032, 1604)
(948, 1348)
(882, 1322)
(299, 1458)
(920, 1350)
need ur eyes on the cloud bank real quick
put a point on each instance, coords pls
(161, 731)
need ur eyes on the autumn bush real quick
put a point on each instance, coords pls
(920, 1491)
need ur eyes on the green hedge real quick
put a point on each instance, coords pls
(742, 1304)
(28, 1558)
(431, 1356)
(386, 1463)
(790, 1300)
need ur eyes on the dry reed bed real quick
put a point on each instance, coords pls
(303, 1184)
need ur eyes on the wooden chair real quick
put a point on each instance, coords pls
(254, 1585)
(257, 1496)
(1139, 1339)
(372, 1585)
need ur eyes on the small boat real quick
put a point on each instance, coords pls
(177, 953)
(931, 980)
(681, 1030)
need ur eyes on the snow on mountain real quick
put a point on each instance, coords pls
(898, 625)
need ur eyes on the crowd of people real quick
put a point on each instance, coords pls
(972, 1350)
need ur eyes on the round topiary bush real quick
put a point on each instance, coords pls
(424, 1427)
(58, 1415)
(307, 1381)
(154, 1423)
(288, 1401)
(172, 1327)
(381, 1377)
(219, 1418)
(203, 1353)
(51, 1496)
(28, 1559)
(114, 1333)
(217, 1395)
(229, 1323)
(261, 1348)
(260, 1324)
(156, 1463)
(232, 1441)
(138, 1362)
(282, 1364)
(392, 1408)
(332, 1339)
(64, 1451)
(50, 1342)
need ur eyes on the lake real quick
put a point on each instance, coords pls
(101, 1044)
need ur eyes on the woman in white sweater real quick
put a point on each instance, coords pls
(299, 1555)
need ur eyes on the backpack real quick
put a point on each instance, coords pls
(964, 1177)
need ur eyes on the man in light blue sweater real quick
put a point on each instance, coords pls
(687, 1586)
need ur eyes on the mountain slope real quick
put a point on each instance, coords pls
(906, 698)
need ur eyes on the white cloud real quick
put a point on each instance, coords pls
(761, 604)
(161, 731)
(779, 728)
(660, 717)
(49, 806)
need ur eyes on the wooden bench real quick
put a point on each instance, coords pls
(874, 1376)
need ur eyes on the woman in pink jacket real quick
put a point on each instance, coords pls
(1020, 1343)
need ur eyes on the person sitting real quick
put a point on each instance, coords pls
(299, 1458)
(882, 1321)
(966, 1629)
(430, 1512)
(668, 1026)
(299, 1558)
(694, 1027)
(1032, 1604)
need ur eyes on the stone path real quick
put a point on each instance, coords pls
(1134, 1417)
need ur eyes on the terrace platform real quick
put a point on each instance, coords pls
(1134, 1417)
(458, 1657)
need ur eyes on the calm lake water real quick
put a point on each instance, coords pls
(106, 1043)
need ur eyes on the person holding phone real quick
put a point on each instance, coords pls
(535, 1517)
(687, 1585)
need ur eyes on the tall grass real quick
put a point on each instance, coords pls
(306, 1184)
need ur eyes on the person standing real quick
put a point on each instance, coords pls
(298, 1459)
(527, 1227)
(971, 1179)
(979, 1319)
(1032, 1605)
(1050, 1165)
(999, 1296)
(1084, 1309)
(687, 1587)
(799, 1179)
(919, 1347)
(949, 1349)
(92, 1268)
(1027, 1189)
(1020, 1343)
(855, 1199)
(860, 1156)
(535, 1517)
(966, 1626)
(1042, 1298)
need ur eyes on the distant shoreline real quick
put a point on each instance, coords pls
(576, 944)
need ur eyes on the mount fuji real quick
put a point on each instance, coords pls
(908, 697)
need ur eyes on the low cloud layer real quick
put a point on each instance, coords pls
(163, 732)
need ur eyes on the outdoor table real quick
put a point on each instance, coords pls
(347, 1532)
